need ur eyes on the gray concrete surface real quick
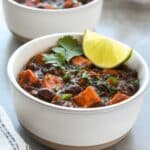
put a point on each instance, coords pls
(123, 20)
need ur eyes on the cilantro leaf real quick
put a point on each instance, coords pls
(72, 53)
(71, 46)
(68, 42)
(67, 48)
(85, 75)
(56, 59)
(59, 50)
(49, 58)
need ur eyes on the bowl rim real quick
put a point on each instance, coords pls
(15, 84)
(53, 10)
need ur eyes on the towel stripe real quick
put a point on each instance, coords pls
(8, 136)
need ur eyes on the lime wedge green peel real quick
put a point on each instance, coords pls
(103, 51)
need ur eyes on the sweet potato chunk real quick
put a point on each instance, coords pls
(27, 77)
(38, 59)
(87, 98)
(119, 97)
(79, 61)
(111, 71)
(68, 3)
(52, 81)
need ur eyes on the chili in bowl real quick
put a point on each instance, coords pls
(27, 22)
(62, 75)
(67, 125)
(53, 4)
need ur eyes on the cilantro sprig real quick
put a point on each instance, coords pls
(56, 59)
(67, 48)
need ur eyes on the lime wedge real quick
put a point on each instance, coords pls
(103, 51)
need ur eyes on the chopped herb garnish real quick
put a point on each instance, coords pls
(66, 96)
(113, 80)
(104, 87)
(66, 76)
(136, 82)
(87, 77)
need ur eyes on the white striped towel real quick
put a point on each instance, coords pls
(9, 138)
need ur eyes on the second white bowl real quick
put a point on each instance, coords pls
(28, 23)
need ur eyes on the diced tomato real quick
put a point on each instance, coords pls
(118, 97)
(80, 60)
(87, 98)
(52, 81)
(27, 77)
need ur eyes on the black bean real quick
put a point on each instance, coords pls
(100, 104)
(73, 89)
(55, 70)
(101, 89)
(33, 66)
(46, 94)
(39, 73)
(41, 7)
(20, 1)
(85, 1)
(133, 74)
(128, 88)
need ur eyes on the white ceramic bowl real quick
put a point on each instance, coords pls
(71, 128)
(28, 22)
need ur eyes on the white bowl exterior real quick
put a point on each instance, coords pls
(68, 127)
(75, 129)
(31, 23)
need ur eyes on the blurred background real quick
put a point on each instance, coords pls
(124, 20)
